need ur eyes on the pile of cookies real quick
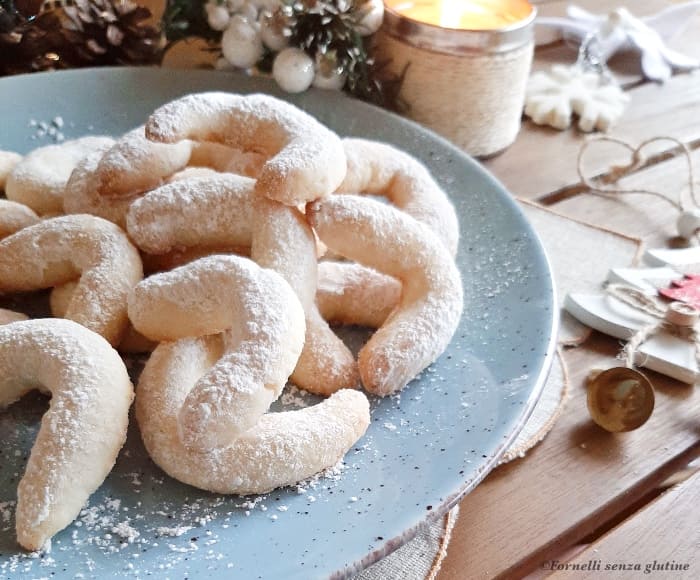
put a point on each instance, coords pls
(252, 223)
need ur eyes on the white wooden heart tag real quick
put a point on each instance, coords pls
(662, 352)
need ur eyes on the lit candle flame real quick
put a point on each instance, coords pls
(464, 14)
(452, 12)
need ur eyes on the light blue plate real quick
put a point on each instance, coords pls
(425, 448)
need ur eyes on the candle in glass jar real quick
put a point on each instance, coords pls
(464, 14)
(464, 66)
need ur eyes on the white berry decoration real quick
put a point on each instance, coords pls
(553, 97)
(250, 12)
(372, 19)
(271, 33)
(218, 15)
(241, 44)
(293, 70)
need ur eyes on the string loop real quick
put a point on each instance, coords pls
(617, 172)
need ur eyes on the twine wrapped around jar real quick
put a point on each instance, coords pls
(468, 86)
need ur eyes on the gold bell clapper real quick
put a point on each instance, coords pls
(620, 399)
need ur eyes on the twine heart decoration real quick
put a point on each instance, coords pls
(688, 222)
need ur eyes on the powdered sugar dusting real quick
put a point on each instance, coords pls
(197, 211)
(381, 169)
(382, 237)
(306, 160)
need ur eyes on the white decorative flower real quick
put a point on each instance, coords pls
(553, 97)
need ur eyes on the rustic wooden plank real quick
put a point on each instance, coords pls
(580, 476)
(636, 214)
(662, 540)
(543, 160)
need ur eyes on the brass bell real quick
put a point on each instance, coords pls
(620, 399)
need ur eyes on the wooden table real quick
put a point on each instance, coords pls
(583, 495)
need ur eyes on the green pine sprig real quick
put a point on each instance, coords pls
(330, 28)
(185, 19)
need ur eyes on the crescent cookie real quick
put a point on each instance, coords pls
(40, 178)
(263, 325)
(154, 263)
(9, 316)
(350, 293)
(226, 159)
(135, 164)
(304, 160)
(280, 449)
(8, 160)
(380, 169)
(194, 212)
(284, 242)
(131, 342)
(59, 250)
(84, 428)
(384, 238)
(81, 193)
(15, 216)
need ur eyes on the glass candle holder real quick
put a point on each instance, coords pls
(465, 65)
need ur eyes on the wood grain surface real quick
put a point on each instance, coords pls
(661, 541)
(580, 476)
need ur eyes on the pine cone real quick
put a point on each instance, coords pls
(90, 33)
(34, 45)
(113, 32)
(9, 18)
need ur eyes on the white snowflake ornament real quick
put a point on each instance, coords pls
(553, 97)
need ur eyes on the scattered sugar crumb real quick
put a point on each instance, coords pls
(174, 532)
(126, 532)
